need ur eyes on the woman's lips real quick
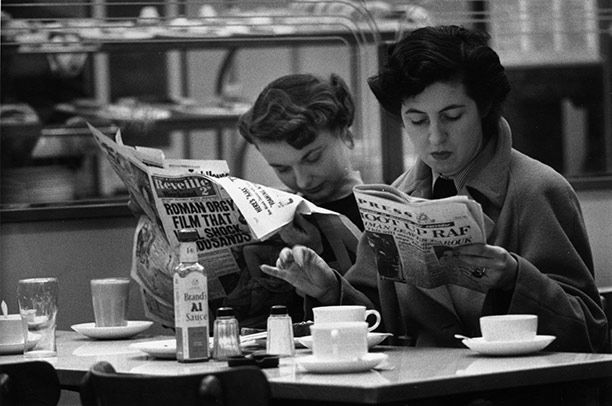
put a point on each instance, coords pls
(441, 156)
(312, 190)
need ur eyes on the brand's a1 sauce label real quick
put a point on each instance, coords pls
(191, 314)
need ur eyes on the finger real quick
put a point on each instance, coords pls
(272, 271)
(470, 249)
(301, 254)
(472, 253)
(285, 258)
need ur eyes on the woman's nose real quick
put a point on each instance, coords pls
(437, 133)
(302, 177)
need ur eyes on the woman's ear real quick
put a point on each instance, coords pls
(347, 137)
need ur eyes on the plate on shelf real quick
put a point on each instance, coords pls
(17, 348)
(165, 349)
(365, 363)
(109, 333)
(373, 339)
(482, 346)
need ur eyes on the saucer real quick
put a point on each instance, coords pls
(165, 349)
(482, 346)
(365, 363)
(108, 333)
(17, 348)
(373, 339)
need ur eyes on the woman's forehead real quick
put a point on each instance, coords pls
(438, 96)
(282, 153)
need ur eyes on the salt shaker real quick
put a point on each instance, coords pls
(226, 341)
(280, 332)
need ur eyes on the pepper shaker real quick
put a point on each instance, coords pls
(226, 341)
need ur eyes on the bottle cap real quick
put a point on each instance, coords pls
(187, 235)
(225, 312)
(278, 309)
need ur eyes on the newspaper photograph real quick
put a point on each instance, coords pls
(413, 237)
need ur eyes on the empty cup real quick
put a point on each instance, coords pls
(509, 327)
(37, 299)
(110, 301)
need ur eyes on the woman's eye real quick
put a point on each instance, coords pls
(417, 121)
(281, 169)
(313, 158)
(453, 117)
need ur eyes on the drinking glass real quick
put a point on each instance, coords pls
(37, 299)
(110, 301)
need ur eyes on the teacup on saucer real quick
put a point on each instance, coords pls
(373, 339)
(517, 347)
(509, 327)
(17, 347)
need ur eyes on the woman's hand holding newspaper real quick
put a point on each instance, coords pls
(307, 272)
(495, 267)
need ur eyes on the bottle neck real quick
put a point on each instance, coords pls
(188, 252)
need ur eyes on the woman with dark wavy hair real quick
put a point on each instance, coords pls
(300, 124)
(447, 87)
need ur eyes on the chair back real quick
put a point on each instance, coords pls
(238, 386)
(29, 383)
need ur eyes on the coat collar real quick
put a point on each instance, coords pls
(488, 175)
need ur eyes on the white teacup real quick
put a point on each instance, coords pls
(342, 313)
(339, 341)
(11, 329)
(509, 327)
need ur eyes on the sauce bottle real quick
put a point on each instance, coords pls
(190, 301)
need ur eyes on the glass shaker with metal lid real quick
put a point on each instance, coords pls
(226, 341)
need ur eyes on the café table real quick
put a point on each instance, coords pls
(409, 375)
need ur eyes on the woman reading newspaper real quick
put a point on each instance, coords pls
(447, 86)
(300, 124)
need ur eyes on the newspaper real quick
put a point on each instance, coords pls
(413, 237)
(173, 194)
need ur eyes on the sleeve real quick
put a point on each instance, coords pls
(555, 269)
(358, 286)
(360, 283)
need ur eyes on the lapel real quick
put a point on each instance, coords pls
(486, 182)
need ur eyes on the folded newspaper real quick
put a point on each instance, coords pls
(413, 237)
(227, 213)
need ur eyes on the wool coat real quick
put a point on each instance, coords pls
(530, 210)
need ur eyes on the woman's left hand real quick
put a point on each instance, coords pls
(495, 267)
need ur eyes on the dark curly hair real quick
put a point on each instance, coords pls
(443, 54)
(295, 108)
